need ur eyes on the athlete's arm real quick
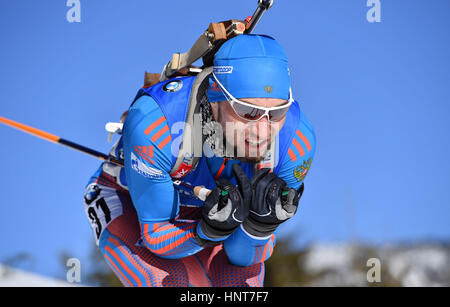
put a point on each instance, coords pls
(244, 248)
(148, 162)
(298, 160)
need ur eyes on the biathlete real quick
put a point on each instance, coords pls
(233, 129)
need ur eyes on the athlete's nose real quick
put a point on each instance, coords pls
(261, 129)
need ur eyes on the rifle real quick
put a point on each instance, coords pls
(207, 45)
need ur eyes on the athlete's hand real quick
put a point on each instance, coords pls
(273, 203)
(226, 207)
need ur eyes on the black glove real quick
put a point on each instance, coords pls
(225, 208)
(273, 203)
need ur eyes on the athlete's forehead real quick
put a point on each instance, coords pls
(265, 102)
(250, 66)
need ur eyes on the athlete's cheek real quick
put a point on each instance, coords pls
(276, 127)
(259, 131)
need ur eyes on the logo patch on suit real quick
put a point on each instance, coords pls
(173, 86)
(301, 171)
(145, 152)
(145, 170)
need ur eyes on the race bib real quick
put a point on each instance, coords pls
(102, 205)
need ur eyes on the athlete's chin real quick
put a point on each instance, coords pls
(253, 154)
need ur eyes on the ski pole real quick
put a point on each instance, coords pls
(58, 140)
(199, 192)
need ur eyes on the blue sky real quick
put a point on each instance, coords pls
(377, 94)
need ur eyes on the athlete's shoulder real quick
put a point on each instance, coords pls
(303, 140)
(146, 134)
(144, 106)
(306, 133)
(300, 153)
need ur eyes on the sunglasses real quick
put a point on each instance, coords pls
(250, 112)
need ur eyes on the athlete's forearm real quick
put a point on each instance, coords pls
(171, 240)
(244, 249)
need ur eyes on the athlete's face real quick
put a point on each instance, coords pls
(250, 139)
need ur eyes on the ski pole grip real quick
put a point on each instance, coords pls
(202, 193)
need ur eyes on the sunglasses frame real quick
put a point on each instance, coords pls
(231, 100)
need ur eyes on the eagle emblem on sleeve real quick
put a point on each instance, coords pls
(301, 170)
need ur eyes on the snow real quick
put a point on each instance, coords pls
(418, 265)
(10, 277)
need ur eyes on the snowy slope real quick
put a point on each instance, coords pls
(10, 277)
